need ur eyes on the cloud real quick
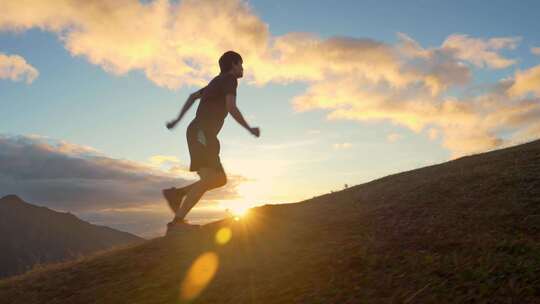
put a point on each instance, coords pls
(527, 81)
(413, 108)
(306, 57)
(433, 133)
(447, 65)
(286, 145)
(482, 52)
(158, 160)
(528, 133)
(466, 125)
(535, 50)
(15, 68)
(495, 112)
(393, 137)
(439, 67)
(342, 146)
(79, 179)
(174, 44)
(177, 44)
(170, 164)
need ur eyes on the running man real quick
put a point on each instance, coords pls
(218, 99)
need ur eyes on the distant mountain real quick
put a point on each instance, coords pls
(465, 231)
(32, 235)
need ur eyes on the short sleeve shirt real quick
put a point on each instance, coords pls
(212, 109)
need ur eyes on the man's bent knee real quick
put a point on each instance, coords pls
(215, 180)
(220, 180)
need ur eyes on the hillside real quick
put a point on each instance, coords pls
(465, 231)
(32, 235)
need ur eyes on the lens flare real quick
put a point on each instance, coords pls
(223, 236)
(200, 273)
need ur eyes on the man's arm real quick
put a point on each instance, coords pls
(235, 113)
(189, 102)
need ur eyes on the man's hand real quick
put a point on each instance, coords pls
(255, 131)
(230, 100)
(171, 124)
(189, 102)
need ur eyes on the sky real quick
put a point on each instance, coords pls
(343, 92)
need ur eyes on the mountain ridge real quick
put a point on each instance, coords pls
(33, 235)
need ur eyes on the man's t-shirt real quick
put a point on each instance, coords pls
(212, 108)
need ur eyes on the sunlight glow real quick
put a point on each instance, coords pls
(239, 210)
(249, 192)
(252, 190)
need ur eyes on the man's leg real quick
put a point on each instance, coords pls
(174, 196)
(193, 196)
(210, 179)
(181, 193)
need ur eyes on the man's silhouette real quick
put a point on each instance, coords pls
(218, 99)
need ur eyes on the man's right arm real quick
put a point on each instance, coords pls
(189, 102)
(235, 113)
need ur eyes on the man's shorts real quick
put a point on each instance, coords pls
(203, 149)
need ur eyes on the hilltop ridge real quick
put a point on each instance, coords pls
(462, 231)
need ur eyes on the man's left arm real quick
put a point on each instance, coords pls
(235, 113)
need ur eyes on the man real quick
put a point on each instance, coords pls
(218, 99)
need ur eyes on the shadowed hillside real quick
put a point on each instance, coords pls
(32, 235)
(466, 231)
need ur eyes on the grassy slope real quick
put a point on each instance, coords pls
(463, 231)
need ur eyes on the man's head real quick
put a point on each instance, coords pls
(231, 62)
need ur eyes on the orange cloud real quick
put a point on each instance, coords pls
(527, 81)
(306, 57)
(177, 44)
(467, 125)
(393, 137)
(174, 44)
(15, 68)
(433, 133)
(482, 52)
(158, 160)
(438, 68)
(342, 146)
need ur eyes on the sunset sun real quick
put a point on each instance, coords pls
(238, 210)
